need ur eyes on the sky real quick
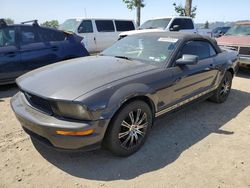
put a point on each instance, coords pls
(43, 10)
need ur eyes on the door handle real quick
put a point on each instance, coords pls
(10, 54)
(211, 66)
(55, 48)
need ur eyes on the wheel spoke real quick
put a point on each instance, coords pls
(142, 126)
(136, 138)
(138, 115)
(126, 141)
(142, 119)
(140, 132)
(125, 124)
(131, 115)
(121, 135)
(131, 140)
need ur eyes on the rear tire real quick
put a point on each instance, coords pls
(222, 92)
(129, 129)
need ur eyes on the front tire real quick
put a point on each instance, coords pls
(129, 129)
(223, 91)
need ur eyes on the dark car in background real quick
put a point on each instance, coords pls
(219, 31)
(113, 99)
(26, 47)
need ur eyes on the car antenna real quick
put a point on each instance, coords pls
(34, 22)
(3, 23)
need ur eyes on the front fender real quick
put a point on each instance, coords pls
(125, 93)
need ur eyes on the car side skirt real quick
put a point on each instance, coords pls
(182, 103)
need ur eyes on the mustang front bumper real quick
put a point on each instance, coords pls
(44, 127)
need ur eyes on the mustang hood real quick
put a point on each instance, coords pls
(70, 79)
(234, 40)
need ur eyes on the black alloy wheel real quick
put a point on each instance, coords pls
(129, 129)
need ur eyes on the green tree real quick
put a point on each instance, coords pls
(51, 24)
(9, 21)
(188, 10)
(206, 26)
(135, 4)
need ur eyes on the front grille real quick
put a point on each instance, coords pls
(39, 103)
(244, 50)
(235, 48)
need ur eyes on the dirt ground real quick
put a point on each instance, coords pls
(205, 145)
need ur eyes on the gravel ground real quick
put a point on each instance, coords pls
(205, 145)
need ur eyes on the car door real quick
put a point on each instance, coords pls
(86, 30)
(192, 80)
(106, 34)
(55, 42)
(10, 66)
(35, 53)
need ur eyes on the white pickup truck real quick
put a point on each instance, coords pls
(174, 23)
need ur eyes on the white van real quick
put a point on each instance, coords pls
(98, 33)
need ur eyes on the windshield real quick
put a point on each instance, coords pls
(149, 49)
(239, 30)
(155, 24)
(70, 25)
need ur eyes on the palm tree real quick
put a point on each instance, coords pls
(135, 4)
(138, 13)
(188, 7)
(188, 10)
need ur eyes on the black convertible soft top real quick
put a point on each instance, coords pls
(183, 36)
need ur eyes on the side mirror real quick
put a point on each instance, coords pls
(221, 33)
(175, 28)
(188, 60)
(80, 29)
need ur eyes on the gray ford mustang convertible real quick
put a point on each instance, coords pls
(112, 99)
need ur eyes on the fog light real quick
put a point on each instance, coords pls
(75, 133)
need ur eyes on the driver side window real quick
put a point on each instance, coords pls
(202, 49)
(85, 27)
(177, 21)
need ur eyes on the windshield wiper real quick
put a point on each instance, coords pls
(150, 28)
(123, 57)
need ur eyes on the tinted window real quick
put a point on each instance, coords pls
(183, 23)
(105, 25)
(176, 22)
(7, 37)
(29, 35)
(85, 27)
(212, 51)
(124, 25)
(201, 49)
(48, 35)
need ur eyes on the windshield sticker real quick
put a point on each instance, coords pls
(173, 40)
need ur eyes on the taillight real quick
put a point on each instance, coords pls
(82, 42)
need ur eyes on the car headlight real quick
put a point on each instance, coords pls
(71, 110)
